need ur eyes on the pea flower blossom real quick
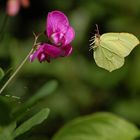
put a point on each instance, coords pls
(13, 6)
(60, 35)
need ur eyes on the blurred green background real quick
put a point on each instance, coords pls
(83, 87)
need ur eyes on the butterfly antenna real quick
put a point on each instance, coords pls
(97, 34)
(97, 29)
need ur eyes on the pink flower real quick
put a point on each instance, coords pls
(25, 3)
(13, 6)
(60, 34)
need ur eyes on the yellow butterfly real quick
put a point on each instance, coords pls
(110, 49)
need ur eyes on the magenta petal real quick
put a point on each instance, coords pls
(67, 50)
(58, 39)
(69, 36)
(31, 58)
(56, 22)
(36, 53)
(52, 51)
(42, 57)
(45, 52)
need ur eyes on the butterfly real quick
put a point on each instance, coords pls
(110, 49)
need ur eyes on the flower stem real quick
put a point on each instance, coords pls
(17, 70)
(22, 63)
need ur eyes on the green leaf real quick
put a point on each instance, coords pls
(99, 126)
(47, 89)
(1, 73)
(7, 105)
(5, 77)
(35, 120)
(6, 131)
(5, 111)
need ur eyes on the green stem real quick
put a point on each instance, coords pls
(17, 70)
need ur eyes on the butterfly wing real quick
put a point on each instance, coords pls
(112, 49)
(107, 60)
(119, 43)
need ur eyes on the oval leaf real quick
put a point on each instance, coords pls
(99, 126)
(35, 120)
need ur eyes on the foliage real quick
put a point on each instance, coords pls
(101, 126)
(11, 113)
